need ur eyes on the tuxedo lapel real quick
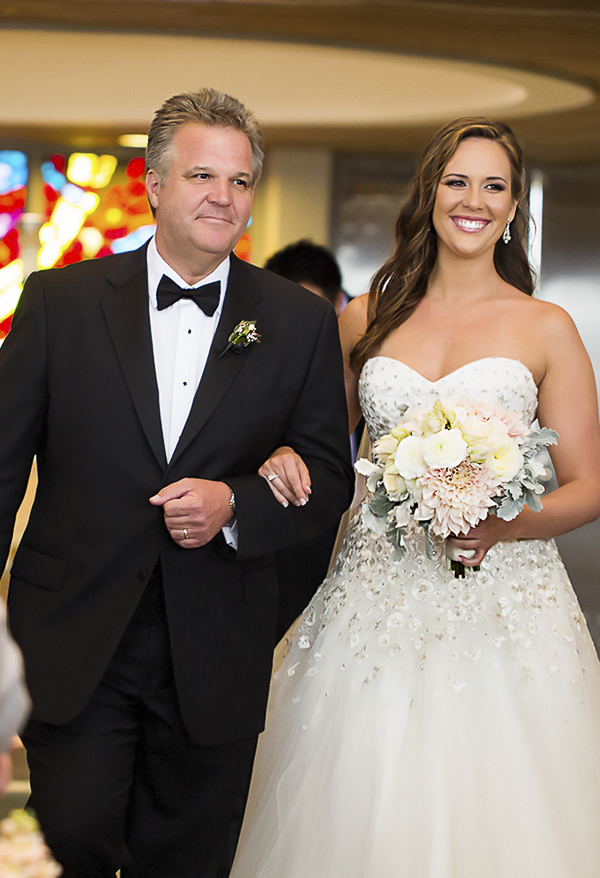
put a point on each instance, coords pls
(126, 312)
(240, 303)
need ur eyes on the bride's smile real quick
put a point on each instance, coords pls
(474, 200)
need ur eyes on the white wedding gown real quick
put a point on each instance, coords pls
(423, 726)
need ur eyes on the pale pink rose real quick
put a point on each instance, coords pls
(514, 426)
(482, 434)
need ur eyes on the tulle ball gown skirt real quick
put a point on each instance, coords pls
(446, 729)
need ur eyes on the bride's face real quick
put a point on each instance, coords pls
(474, 201)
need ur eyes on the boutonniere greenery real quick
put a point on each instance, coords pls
(244, 334)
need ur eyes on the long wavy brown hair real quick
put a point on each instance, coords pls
(400, 284)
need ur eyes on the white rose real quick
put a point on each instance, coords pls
(435, 420)
(483, 435)
(409, 458)
(393, 482)
(385, 446)
(505, 462)
(444, 449)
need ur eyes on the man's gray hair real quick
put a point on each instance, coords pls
(206, 107)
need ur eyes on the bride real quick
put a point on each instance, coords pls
(423, 726)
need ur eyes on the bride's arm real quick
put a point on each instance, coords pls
(568, 403)
(285, 471)
(353, 325)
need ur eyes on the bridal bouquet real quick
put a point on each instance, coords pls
(23, 852)
(446, 468)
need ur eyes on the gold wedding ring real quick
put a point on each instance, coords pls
(185, 533)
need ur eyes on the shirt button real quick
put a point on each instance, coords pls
(142, 575)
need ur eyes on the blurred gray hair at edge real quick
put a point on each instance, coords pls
(205, 107)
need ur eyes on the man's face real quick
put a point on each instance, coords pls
(204, 205)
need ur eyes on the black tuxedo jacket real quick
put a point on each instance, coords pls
(78, 389)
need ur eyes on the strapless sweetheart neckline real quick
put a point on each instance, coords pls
(479, 360)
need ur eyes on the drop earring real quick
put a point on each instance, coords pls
(506, 233)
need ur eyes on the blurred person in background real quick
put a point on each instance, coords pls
(312, 266)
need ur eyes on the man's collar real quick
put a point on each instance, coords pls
(157, 267)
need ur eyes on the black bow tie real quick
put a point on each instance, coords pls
(206, 297)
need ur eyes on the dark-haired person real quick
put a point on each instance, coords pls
(312, 266)
(423, 726)
(144, 591)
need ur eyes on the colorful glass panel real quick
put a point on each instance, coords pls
(13, 194)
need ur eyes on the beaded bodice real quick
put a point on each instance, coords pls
(386, 385)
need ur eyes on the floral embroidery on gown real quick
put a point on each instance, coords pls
(423, 726)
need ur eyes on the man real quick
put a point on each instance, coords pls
(144, 592)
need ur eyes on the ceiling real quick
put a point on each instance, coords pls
(343, 74)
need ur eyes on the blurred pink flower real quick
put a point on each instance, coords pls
(456, 499)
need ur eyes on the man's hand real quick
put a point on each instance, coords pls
(195, 510)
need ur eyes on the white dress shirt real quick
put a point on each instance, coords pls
(181, 338)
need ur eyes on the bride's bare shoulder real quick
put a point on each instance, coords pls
(353, 319)
(546, 316)
(547, 334)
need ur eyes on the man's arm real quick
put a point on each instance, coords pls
(318, 431)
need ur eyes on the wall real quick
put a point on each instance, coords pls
(570, 277)
(292, 201)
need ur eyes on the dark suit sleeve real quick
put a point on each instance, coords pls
(23, 404)
(318, 431)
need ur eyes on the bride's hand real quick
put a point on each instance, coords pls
(287, 476)
(481, 538)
